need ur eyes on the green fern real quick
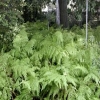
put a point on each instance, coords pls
(50, 64)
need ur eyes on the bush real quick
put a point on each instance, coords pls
(10, 19)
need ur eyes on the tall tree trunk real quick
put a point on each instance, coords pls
(63, 13)
(57, 13)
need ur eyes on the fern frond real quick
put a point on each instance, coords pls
(84, 91)
(91, 77)
(79, 70)
(71, 92)
(81, 97)
(58, 37)
(20, 39)
(95, 98)
(97, 93)
(71, 49)
(29, 46)
(20, 67)
(54, 76)
(25, 94)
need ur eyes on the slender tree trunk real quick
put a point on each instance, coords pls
(63, 13)
(57, 13)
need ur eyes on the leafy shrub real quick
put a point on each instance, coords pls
(49, 65)
(10, 19)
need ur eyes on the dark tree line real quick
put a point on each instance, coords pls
(33, 11)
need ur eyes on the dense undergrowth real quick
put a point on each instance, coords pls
(52, 64)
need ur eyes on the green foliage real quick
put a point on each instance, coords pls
(78, 7)
(49, 64)
(33, 9)
(10, 13)
(97, 33)
(10, 18)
